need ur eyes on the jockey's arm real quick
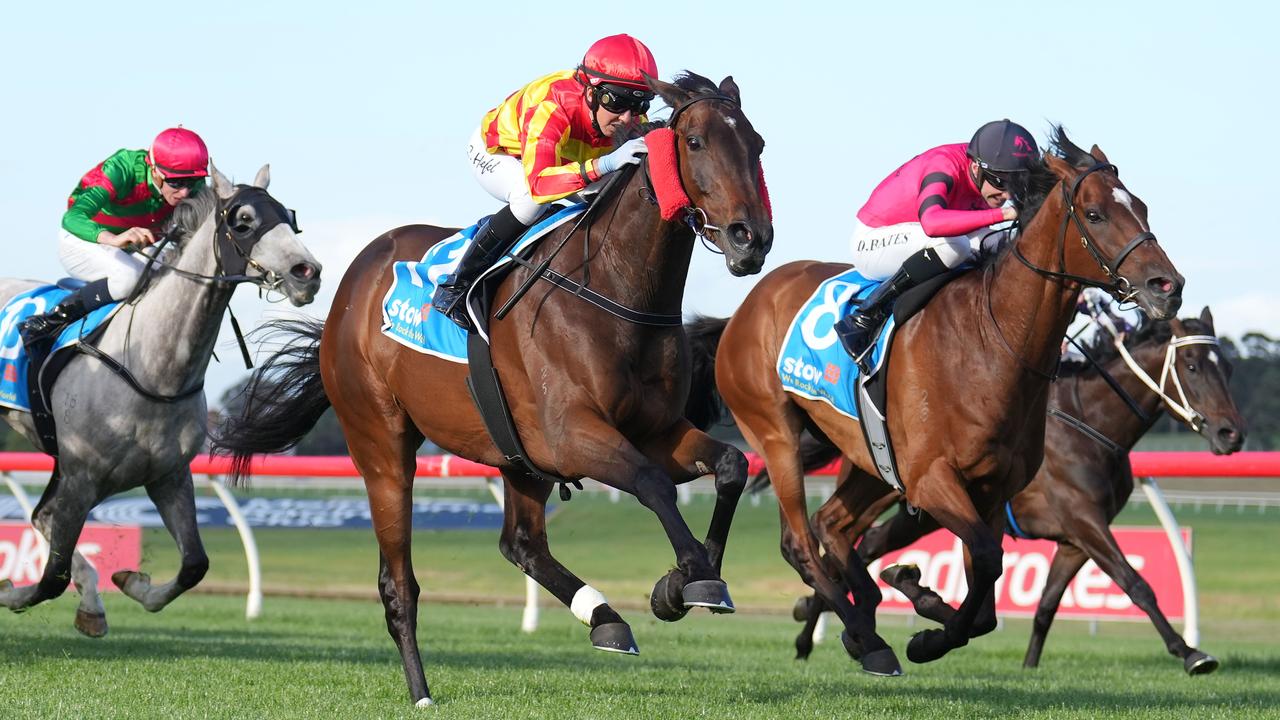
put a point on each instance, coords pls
(550, 177)
(938, 220)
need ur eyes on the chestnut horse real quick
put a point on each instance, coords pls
(1085, 480)
(592, 394)
(967, 387)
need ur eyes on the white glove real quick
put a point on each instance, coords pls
(628, 154)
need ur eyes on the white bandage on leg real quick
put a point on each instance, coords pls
(585, 601)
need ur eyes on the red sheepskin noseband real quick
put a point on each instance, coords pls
(664, 172)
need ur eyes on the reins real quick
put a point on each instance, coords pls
(268, 281)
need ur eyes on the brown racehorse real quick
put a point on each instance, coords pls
(1085, 480)
(967, 387)
(593, 395)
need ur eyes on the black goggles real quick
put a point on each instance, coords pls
(183, 183)
(998, 182)
(621, 101)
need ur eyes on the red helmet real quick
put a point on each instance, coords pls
(178, 152)
(618, 60)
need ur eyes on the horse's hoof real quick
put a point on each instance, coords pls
(6, 585)
(1199, 663)
(91, 624)
(666, 601)
(425, 702)
(882, 662)
(895, 576)
(927, 646)
(614, 637)
(851, 646)
(800, 611)
(710, 594)
(122, 577)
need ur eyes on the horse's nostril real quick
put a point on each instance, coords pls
(1162, 286)
(304, 271)
(1228, 435)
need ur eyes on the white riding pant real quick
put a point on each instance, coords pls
(90, 261)
(878, 252)
(502, 176)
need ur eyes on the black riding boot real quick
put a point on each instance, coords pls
(39, 329)
(492, 240)
(858, 329)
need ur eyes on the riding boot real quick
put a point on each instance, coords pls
(858, 330)
(38, 330)
(493, 239)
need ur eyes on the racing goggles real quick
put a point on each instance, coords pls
(620, 100)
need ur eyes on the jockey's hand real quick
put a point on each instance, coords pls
(136, 237)
(628, 154)
(1010, 212)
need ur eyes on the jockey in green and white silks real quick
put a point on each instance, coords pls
(120, 204)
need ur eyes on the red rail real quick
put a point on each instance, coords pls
(1157, 464)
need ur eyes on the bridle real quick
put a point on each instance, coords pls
(233, 245)
(1119, 285)
(694, 216)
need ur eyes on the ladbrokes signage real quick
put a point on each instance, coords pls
(1092, 594)
(107, 547)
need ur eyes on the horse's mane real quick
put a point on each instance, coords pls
(1043, 181)
(1103, 350)
(191, 213)
(687, 80)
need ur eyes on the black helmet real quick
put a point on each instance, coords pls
(1003, 146)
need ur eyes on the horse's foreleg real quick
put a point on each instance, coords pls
(940, 494)
(59, 519)
(1096, 540)
(175, 500)
(800, 548)
(1067, 561)
(590, 447)
(688, 453)
(524, 543)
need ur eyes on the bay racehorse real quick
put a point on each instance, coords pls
(1086, 478)
(142, 427)
(592, 394)
(968, 381)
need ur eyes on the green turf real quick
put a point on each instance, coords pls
(329, 658)
(333, 659)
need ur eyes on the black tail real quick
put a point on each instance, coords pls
(282, 402)
(704, 407)
(814, 453)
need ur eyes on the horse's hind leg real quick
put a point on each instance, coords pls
(383, 451)
(175, 500)
(91, 615)
(1066, 563)
(524, 543)
(688, 453)
(60, 518)
(800, 548)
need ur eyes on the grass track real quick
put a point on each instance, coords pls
(326, 658)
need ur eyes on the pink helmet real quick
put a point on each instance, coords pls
(178, 152)
(618, 60)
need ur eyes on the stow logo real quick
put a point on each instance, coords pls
(408, 313)
(803, 370)
(10, 373)
(832, 374)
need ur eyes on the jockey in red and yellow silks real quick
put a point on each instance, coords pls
(119, 204)
(548, 140)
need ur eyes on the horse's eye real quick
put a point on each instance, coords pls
(1093, 216)
(1191, 367)
(694, 142)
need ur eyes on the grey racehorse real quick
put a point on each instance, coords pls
(113, 436)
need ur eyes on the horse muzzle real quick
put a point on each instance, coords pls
(746, 245)
(302, 282)
(1160, 296)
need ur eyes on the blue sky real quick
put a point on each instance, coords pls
(364, 112)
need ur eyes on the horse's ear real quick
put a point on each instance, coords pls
(263, 178)
(221, 184)
(1206, 317)
(1098, 155)
(1060, 167)
(730, 88)
(672, 95)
